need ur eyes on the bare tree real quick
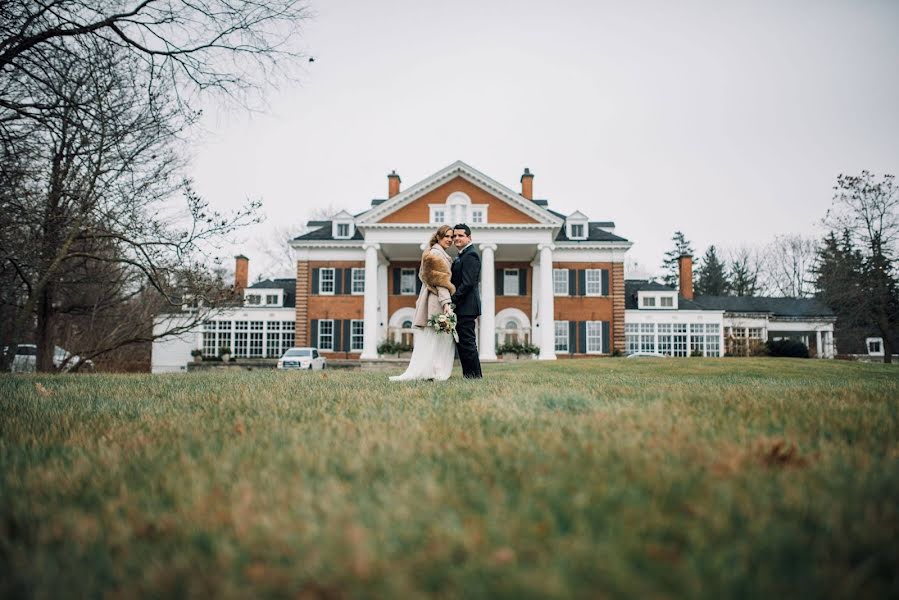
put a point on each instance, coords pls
(95, 100)
(788, 267)
(277, 255)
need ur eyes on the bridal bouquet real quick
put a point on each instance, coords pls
(443, 323)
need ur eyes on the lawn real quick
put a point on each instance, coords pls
(584, 478)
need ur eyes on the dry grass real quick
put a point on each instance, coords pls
(589, 478)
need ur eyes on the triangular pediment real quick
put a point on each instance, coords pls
(459, 180)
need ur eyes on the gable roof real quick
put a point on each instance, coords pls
(289, 285)
(324, 231)
(470, 174)
(595, 233)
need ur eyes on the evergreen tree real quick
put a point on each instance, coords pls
(838, 278)
(670, 269)
(743, 277)
(711, 279)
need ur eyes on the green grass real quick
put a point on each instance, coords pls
(738, 478)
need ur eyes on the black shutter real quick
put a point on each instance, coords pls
(346, 335)
(572, 282)
(605, 285)
(572, 335)
(522, 282)
(418, 285)
(582, 336)
(338, 281)
(315, 280)
(347, 281)
(336, 329)
(396, 281)
(605, 338)
(313, 341)
(582, 282)
(500, 289)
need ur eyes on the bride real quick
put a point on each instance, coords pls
(433, 352)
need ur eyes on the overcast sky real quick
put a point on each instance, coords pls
(727, 120)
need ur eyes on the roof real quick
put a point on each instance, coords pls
(778, 307)
(288, 285)
(324, 232)
(595, 233)
(632, 286)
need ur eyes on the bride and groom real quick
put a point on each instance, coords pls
(446, 283)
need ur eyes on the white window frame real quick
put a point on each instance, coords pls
(357, 338)
(358, 276)
(254, 299)
(438, 215)
(594, 337)
(343, 234)
(564, 325)
(507, 273)
(321, 281)
(557, 288)
(666, 302)
(271, 299)
(648, 301)
(575, 234)
(319, 343)
(411, 273)
(598, 282)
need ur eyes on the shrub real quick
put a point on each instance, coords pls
(517, 349)
(196, 352)
(224, 350)
(791, 348)
(696, 353)
(390, 347)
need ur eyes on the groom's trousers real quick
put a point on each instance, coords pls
(468, 348)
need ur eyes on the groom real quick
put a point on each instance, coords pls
(466, 275)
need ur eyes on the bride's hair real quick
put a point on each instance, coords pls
(441, 231)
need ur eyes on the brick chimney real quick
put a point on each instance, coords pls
(685, 275)
(527, 184)
(393, 184)
(241, 273)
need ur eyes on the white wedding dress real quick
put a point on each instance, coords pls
(432, 356)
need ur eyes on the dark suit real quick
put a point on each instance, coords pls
(466, 277)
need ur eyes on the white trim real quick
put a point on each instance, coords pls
(587, 283)
(319, 340)
(567, 349)
(567, 291)
(352, 290)
(321, 280)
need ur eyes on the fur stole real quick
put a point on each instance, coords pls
(435, 272)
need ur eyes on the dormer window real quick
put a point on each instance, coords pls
(576, 225)
(343, 226)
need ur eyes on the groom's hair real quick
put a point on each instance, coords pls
(464, 228)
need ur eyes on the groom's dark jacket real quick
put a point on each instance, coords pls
(466, 277)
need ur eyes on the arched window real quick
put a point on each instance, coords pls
(406, 332)
(513, 331)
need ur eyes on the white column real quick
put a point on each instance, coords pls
(487, 346)
(547, 305)
(370, 311)
(819, 349)
(535, 301)
(382, 301)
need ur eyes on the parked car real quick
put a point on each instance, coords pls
(25, 360)
(302, 358)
